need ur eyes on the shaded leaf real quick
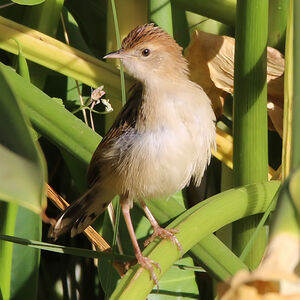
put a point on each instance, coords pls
(22, 177)
(26, 262)
(177, 283)
(21, 164)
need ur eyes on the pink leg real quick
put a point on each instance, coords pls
(167, 234)
(145, 262)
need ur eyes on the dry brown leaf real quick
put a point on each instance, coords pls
(211, 62)
(274, 279)
(202, 49)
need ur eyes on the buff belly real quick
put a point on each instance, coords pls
(158, 163)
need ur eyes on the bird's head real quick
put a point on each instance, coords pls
(149, 53)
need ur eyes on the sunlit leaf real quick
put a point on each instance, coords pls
(28, 2)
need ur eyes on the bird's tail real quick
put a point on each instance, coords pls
(82, 212)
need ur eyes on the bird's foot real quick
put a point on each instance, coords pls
(147, 264)
(166, 234)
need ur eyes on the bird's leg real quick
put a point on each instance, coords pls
(145, 262)
(158, 231)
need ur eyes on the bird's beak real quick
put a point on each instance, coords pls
(116, 54)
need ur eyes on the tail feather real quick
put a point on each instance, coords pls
(81, 213)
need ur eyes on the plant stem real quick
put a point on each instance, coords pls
(250, 115)
(288, 97)
(278, 10)
(8, 213)
(122, 76)
(296, 101)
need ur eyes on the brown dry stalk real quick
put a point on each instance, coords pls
(94, 237)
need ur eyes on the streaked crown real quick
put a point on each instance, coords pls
(148, 48)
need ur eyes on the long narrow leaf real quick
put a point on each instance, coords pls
(59, 57)
(22, 172)
(53, 120)
(64, 249)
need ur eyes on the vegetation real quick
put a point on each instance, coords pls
(50, 59)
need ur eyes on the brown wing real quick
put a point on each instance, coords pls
(124, 121)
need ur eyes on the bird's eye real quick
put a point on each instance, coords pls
(146, 52)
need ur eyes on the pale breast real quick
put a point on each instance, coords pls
(158, 162)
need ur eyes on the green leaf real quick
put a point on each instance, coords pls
(53, 121)
(28, 2)
(88, 13)
(22, 64)
(59, 57)
(8, 212)
(26, 263)
(22, 172)
(177, 283)
(63, 249)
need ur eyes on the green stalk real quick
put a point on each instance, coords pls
(278, 10)
(288, 97)
(138, 15)
(122, 76)
(207, 253)
(220, 10)
(286, 225)
(193, 225)
(160, 13)
(295, 155)
(250, 115)
(8, 214)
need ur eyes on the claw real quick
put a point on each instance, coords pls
(147, 263)
(167, 234)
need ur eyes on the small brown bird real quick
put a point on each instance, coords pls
(159, 143)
